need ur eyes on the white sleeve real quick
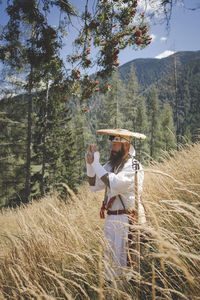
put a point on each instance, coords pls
(99, 185)
(90, 170)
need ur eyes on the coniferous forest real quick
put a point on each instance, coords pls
(48, 114)
(61, 130)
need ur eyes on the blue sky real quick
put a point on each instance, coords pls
(183, 35)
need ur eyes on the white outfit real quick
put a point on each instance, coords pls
(116, 226)
(115, 252)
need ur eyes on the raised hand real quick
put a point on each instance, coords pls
(92, 148)
(89, 157)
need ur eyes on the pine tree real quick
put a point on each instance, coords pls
(32, 50)
(12, 151)
(129, 105)
(6, 157)
(188, 134)
(194, 120)
(61, 150)
(111, 113)
(168, 137)
(141, 126)
(69, 154)
(52, 72)
(83, 137)
(112, 103)
(154, 125)
(54, 143)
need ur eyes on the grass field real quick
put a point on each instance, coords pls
(53, 248)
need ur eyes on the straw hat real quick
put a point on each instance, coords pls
(121, 135)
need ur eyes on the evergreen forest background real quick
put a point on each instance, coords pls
(157, 97)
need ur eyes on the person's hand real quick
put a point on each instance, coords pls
(102, 211)
(89, 157)
(92, 148)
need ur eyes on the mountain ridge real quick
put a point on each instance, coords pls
(177, 80)
(149, 70)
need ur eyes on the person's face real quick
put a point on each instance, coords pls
(117, 153)
(116, 147)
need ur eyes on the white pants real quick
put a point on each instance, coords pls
(115, 253)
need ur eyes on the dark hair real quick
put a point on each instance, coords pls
(111, 137)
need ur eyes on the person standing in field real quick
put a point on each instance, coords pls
(117, 178)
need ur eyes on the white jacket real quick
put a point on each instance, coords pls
(123, 184)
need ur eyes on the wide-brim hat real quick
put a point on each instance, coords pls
(122, 134)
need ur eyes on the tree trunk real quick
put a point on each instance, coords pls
(28, 149)
(176, 105)
(151, 142)
(42, 185)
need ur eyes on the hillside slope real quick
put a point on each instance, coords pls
(52, 248)
(179, 86)
(151, 70)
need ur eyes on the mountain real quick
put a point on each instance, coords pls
(177, 80)
(151, 70)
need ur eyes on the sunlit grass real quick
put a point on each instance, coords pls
(53, 249)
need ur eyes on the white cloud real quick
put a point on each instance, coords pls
(165, 54)
(153, 8)
(14, 80)
(153, 36)
(163, 38)
(149, 6)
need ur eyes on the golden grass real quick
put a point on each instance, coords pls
(53, 249)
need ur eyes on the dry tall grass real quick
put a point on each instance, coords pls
(52, 249)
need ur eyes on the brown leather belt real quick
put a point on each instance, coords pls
(117, 212)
